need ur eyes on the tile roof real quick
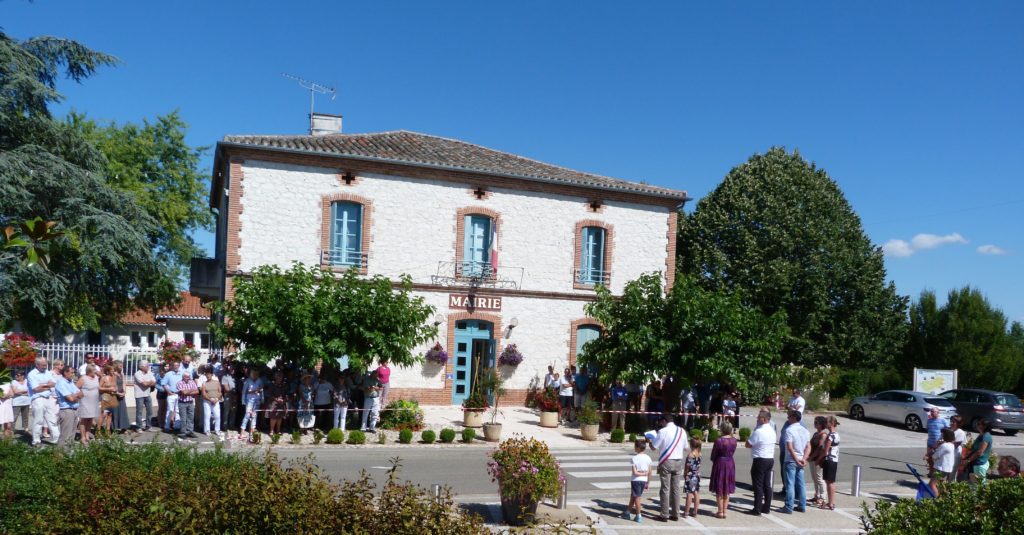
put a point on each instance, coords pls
(413, 148)
(189, 308)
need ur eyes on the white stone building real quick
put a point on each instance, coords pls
(507, 249)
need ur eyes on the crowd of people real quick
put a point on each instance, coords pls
(215, 397)
(950, 459)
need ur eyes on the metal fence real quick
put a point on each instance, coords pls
(74, 355)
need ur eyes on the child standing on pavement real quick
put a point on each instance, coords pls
(691, 478)
(641, 479)
(942, 459)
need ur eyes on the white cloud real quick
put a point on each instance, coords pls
(903, 249)
(992, 250)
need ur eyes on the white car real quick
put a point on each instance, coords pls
(901, 406)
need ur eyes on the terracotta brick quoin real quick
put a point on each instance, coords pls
(609, 249)
(670, 249)
(235, 193)
(575, 324)
(325, 227)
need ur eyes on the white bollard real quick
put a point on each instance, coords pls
(563, 497)
(855, 486)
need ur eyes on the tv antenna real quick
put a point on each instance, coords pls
(314, 88)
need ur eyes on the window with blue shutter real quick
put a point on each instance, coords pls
(584, 334)
(346, 234)
(592, 268)
(476, 250)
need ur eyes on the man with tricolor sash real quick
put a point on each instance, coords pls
(671, 443)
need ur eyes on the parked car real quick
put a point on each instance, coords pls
(1002, 409)
(901, 406)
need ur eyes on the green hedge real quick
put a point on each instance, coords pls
(991, 509)
(112, 487)
(617, 435)
(447, 435)
(335, 436)
(405, 436)
(428, 437)
(357, 437)
(468, 434)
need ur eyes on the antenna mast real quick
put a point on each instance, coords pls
(314, 88)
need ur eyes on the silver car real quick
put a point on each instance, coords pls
(901, 406)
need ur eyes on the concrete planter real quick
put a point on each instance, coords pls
(589, 431)
(549, 419)
(472, 418)
(492, 432)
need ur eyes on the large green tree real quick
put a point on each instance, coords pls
(305, 315)
(966, 334)
(102, 263)
(690, 332)
(153, 163)
(778, 231)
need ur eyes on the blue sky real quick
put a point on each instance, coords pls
(914, 108)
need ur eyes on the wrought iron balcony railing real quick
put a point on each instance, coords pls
(343, 258)
(593, 277)
(477, 274)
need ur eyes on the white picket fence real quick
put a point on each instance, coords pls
(74, 354)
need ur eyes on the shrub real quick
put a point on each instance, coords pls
(335, 436)
(589, 415)
(546, 400)
(402, 414)
(256, 437)
(745, 433)
(468, 434)
(525, 469)
(994, 508)
(296, 437)
(428, 437)
(697, 433)
(632, 437)
(447, 435)
(318, 436)
(112, 487)
(275, 438)
(714, 435)
(618, 435)
(356, 437)
(405, 436)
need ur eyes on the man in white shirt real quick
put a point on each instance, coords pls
(762, 442)
(797, 402)
(144, 383)
(797, 446)
(40, 388)
(89, 359)
(671, 444)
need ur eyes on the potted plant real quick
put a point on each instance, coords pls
(473, 408)
(590, 420)
(18, 351)
(526, 473)
(547, 402)
(437, 355)
(492, 382)
(510, 356)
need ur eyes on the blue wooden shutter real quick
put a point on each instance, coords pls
(346, 234)
(476, 244)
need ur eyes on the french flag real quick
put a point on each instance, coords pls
(494, 251)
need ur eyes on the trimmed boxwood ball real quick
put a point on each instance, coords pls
(405, 436)
(745, 433)
(335, 436)
(428, 437)
(357, 437)
(447, 435)
(618, 435)
(468, 434)
(632, 437)
(697, 433)
(714, 435)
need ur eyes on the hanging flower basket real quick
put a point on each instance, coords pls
(510, 356)
(18, 351)
(437, 355)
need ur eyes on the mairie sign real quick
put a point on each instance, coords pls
(474, 302)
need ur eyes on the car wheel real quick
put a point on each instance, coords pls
(1010, 432)
(913, 422)
(857, 412)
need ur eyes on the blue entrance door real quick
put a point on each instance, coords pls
(474, 350)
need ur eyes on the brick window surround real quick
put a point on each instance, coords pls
(460, 229)
(325, 227)
(609, 249)
(573, 327)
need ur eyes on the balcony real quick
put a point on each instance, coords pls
(342, 258)
(592, 277)
(476, 274)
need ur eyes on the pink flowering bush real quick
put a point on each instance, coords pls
(525, 470)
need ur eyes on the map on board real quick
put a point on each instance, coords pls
(934, 381)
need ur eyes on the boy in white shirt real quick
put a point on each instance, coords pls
(942, 458)
(641, 478)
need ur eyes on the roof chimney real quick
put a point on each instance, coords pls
(322, 124)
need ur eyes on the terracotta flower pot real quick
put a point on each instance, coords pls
(518, 512)
(549, 419)
(472, 418)
(589, 431)
(492, 432)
